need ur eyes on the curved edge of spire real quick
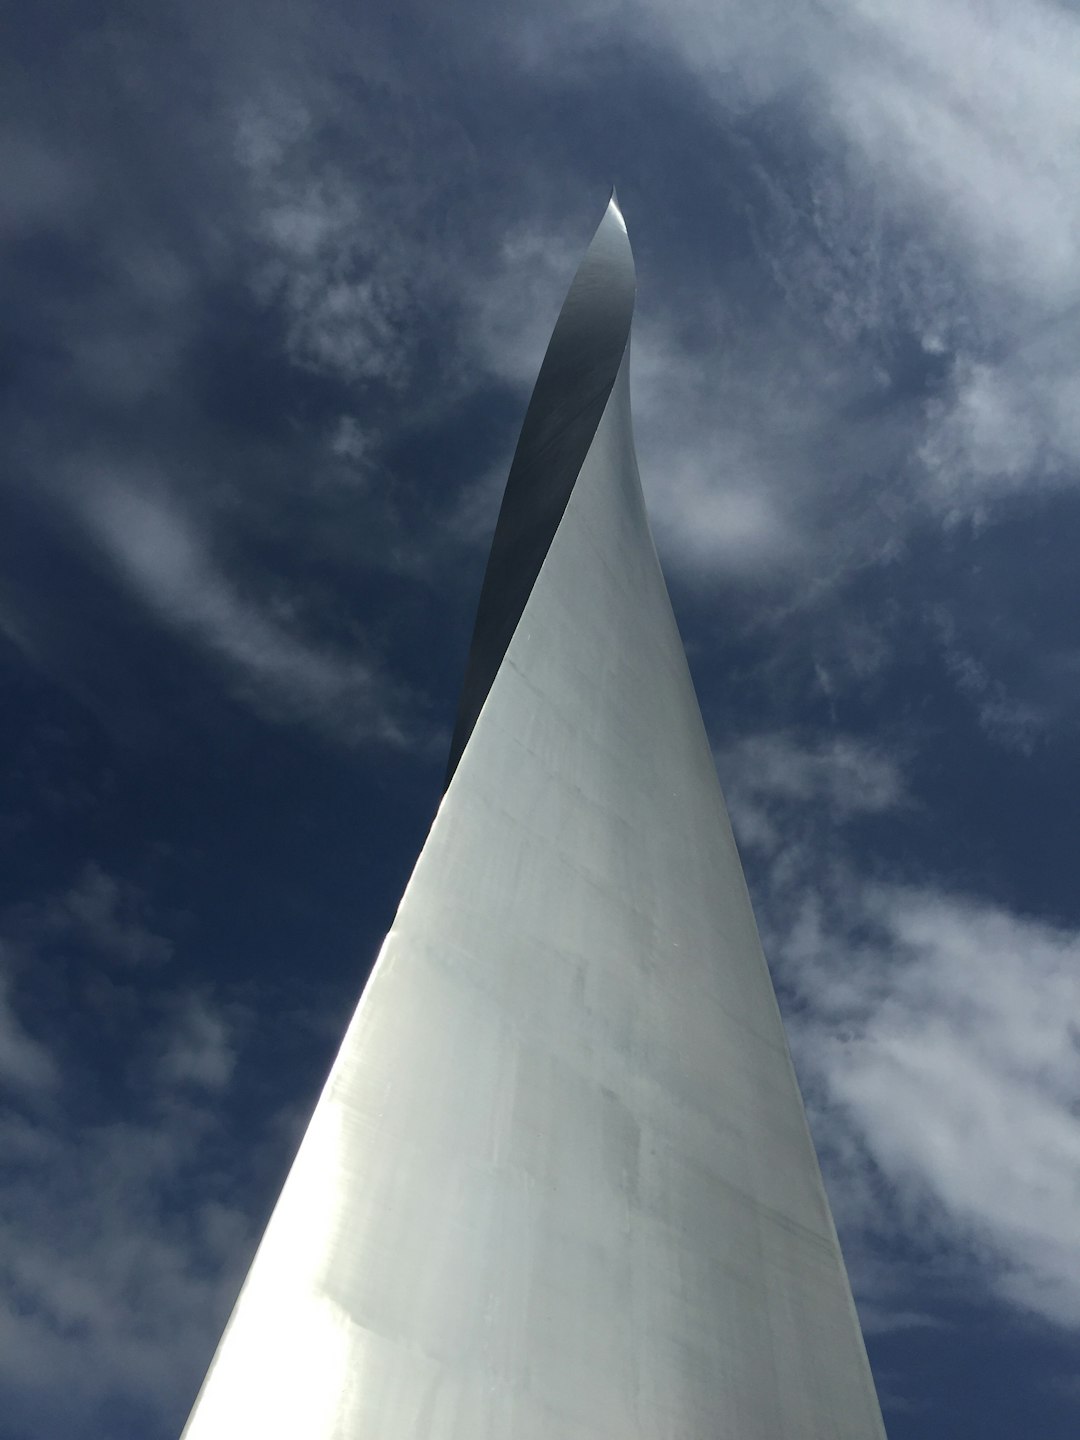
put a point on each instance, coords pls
(570, 395)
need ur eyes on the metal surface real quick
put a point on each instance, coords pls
(571, 391)
(559, 1183)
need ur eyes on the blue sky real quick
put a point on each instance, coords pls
(276, 283)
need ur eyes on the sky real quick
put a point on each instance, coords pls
(276, 281)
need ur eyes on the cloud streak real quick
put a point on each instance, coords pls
(937, 1034)
(168, 564)
(952, 1049)
(26, 1066)
(339, 285)
(114, 1272)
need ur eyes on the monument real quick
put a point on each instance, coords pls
(559, 1184)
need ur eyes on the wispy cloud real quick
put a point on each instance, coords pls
(1007, 718)
(168, 563)
(322, 260)
(959, 125)
(200, 1048)
(723, 487)
(922, 195)
(107, 1286)
(937, 1034)
(974, 108)
(836, 777)
(115, 1274)
(1007, 427)
(26, 1064)
(109, 915)
(950, 1044)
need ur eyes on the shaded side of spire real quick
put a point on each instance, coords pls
(571, 391)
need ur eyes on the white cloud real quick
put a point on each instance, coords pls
(969, 116)
(26, 1066)
(967, 111)
(110, 1283)
(835, 778)
(169, 565)
(951, 1046)
(938, 194)
(512, 311)
(976, 108)
(1008, 719)
(110, 915)
(200, 1049)
(937, 1036)
(1007, 428)
(123, 1227)
(722, 452)
(324, 258)
(348, 441)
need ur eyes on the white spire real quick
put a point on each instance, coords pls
(559, 1185)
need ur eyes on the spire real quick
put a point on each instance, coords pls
(571, 391)
(560, 1182)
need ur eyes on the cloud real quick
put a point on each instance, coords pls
(937, 1036)
(722, 477)
(125, 1213)
(950, 1046)
(108, 1286)
(25, 1063)
(910, 172)
(512, 310)
(322, 258)
(974, 108)
(966, 111)
(108, 914)
(167, 562)
(200, 1050)
(1008, 427)
(1007, 718)
(835, 778)
(847, 774)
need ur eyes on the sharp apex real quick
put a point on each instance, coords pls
(583, 358)
(615, 211)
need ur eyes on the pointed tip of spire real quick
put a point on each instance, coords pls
(615, 209)
(580, 369)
